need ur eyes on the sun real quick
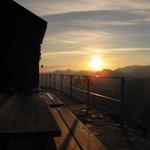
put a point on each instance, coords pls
(96, 63)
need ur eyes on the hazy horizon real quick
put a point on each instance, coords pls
(117, 32)
(48, 69)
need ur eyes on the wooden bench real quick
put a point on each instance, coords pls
(75, 135)
(26, 117)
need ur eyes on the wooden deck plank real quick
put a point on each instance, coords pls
(65, 141)
(54, 101)
(4, 99)
(85, 138)
(27, 116)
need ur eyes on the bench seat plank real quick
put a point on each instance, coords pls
(81, 133)
(65, 141)
(54, 101)
(27, 115)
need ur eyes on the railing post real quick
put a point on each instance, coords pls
(71, 77)
(88, 94)
(46, 80)
(61, 76)
(50, 80)
(94, 99)
(54, 81)
(122, 101)
(40, 79)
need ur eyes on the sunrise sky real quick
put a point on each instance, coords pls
(117, 32)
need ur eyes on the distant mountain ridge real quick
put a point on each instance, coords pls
(135, 71)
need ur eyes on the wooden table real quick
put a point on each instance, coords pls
(27, 116)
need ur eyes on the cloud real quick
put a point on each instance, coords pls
(53, 54)
(104, 29)
(76, 36)
(117, 24)
(120, 58)
(101, 15)
(46, 7)
(96, 19)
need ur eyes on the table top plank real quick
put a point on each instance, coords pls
(27, 115)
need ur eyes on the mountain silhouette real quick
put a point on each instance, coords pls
(136, 71)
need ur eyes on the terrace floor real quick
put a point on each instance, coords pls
(106, 127)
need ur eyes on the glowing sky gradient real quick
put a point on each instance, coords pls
(118, 31)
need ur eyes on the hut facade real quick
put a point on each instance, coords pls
(22, 36)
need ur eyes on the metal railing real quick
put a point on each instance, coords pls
(67, 84)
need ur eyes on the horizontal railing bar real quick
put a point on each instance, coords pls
(95, 94)
(106, 97)
(109, 77)
(71, 75)
(98, 95)
(89, 76)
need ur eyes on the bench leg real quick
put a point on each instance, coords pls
(45, 144)
(40, 143)
(4, 143)
(51, 144)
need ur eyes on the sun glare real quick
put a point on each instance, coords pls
(96, 63)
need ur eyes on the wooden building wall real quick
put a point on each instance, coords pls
(22, 37)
